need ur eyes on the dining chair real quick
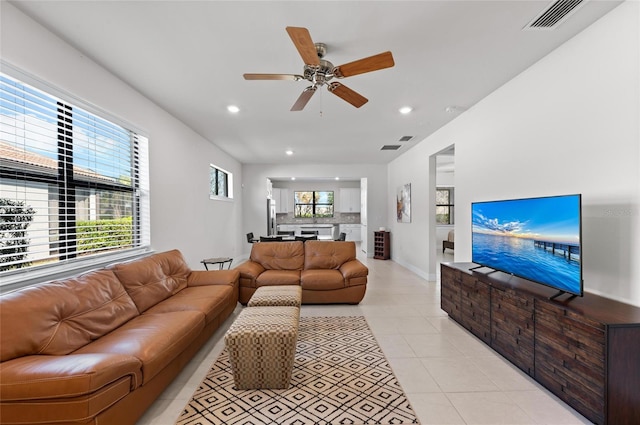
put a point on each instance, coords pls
(307, 238)
(270, 238)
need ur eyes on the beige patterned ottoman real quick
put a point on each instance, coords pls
(279, 295)
(262, 345)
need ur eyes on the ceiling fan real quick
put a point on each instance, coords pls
(320, 72)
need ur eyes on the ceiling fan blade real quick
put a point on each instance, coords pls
(304, 98)
(303, 42)
(372, 63)
(346, 94)
(291, 77)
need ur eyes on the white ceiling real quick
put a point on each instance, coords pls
(189, 57)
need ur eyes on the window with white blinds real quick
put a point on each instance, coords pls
(71, 182)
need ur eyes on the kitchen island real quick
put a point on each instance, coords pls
(323, 229)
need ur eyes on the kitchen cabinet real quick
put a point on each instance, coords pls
(353, 231)
(350, 199)
(281, 196)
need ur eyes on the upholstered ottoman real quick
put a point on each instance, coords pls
(279, 295)
(262, 345)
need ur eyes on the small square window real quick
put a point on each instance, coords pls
(220, 183)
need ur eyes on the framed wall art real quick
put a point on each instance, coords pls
(403, 203)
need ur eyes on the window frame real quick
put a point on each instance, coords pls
(313, 204)
(214, 189)
(450, 206)
(75, 259)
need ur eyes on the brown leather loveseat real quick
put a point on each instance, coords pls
(99, 348)
(328, 271)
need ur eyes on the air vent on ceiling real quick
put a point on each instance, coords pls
(405, 138)
(554, 14)
(390, 148)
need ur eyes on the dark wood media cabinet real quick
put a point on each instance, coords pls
(585, 350)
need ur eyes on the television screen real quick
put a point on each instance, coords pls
(535, 238)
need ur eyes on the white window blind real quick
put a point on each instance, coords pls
(73, 185)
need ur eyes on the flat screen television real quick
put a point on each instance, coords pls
(538, 239)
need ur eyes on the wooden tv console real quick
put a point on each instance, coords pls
(585, 350)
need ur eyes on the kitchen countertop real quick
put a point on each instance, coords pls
(315, 225)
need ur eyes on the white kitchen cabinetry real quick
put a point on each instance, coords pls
(350, 199)
(353, 231)
(281, 196)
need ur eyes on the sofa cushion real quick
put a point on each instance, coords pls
(58, 317)
(278, 277)
(155, 339)
(328, 255)
(71, 375)
(321, 280)
(209, 300)
(279, 255)
(154, 278)
(65, 410)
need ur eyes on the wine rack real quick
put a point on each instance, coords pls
(381, 246)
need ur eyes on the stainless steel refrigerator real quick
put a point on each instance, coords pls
(271, 217)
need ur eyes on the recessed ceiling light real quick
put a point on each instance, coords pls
(293, 178)
(405, 109)
(233, 109)
(289, 152)
(337, 178)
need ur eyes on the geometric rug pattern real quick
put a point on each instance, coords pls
(340, 376)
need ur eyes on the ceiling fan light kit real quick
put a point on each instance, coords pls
(320, 72)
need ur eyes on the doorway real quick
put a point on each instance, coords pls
(443, 209)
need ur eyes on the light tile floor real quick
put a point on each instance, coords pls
(449, 376)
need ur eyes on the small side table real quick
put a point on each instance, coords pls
(219, 261)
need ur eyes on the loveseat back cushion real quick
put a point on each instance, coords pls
(328, 254)
(279, 255)
(154, 278)
(58, 317)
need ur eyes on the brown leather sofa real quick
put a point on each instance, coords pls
(328, 271)
(101, 347)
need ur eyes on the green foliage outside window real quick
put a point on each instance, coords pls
(309, 204)
(444, 206)
(15, 218)
(98, 235)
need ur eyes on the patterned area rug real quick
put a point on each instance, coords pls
(340, 376)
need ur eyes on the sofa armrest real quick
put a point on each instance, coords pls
(43, 377)
(250, 270)
(353, 269)
(213, 277)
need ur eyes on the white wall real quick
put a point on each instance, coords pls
(569, 124)
(254, 191)
(182, 215)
